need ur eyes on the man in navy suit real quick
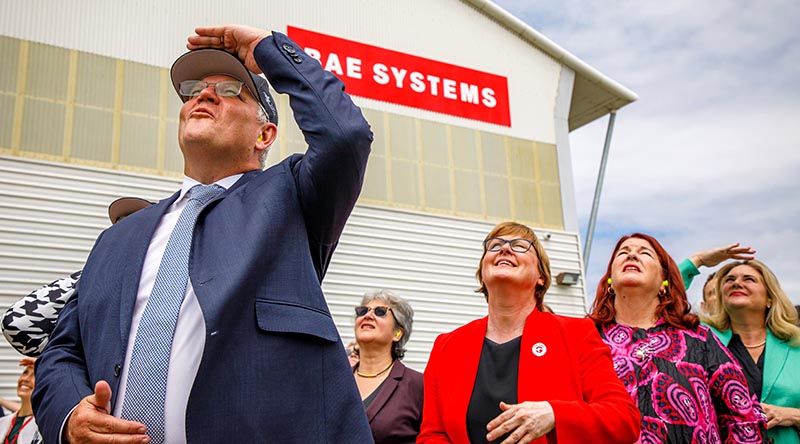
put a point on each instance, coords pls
(255, 355)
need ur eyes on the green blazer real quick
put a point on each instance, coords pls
(780, 380)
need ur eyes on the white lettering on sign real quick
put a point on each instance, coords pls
(401, 78)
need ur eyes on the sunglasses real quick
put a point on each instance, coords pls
(379, 311)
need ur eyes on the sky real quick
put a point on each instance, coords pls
(710, 153)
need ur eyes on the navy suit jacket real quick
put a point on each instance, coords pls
(273, 368)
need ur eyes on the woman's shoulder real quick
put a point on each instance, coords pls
(478, 326)
(410, 374)
(567, 323)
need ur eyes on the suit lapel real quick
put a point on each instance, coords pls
(136, 249)
(210, 303)
(777, 353)
(386, 390)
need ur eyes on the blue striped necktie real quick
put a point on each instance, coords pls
(146, 388)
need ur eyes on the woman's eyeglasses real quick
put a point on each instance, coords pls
(518, 245)
(379, 311)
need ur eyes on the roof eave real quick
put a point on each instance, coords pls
(602, 94)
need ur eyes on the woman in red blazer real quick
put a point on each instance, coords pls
(520, 375)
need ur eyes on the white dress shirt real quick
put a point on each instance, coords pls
(189, 339)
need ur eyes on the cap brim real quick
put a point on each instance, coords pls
(201, 63)
(125, 206)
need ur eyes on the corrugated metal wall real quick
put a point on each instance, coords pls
(50, 214)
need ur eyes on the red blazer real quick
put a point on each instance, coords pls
(573, 372)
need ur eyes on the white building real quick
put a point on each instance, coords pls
(470, 107)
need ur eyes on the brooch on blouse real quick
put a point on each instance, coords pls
(646, 349)
(642, 352)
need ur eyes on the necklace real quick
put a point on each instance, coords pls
(376, 374)
(756, 345)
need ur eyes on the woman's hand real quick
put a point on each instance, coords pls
(715, 256)
(781, 416)
(525, 422)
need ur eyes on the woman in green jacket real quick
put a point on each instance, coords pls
(758, 323)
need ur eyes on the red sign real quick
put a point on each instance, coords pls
(404, 79)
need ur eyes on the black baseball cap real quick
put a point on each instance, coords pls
(201, 63)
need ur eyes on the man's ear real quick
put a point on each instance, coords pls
(267, 135)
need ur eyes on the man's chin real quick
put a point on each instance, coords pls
(202, 137)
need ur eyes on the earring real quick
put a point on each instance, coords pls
(609, 290)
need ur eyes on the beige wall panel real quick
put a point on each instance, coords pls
(141, 88)
(434, 143)
(95, 82)
(375, 180)
(173, 158)
(9, 52)
(6, 120)
(468, 197)
(92, 134)
(138, 142)
(465, 150)
(497, 198)
(548, 163)
(402, 138)
(48, 67)
(42, 121)
(405, 176)
(437, 187)
(525, 200)
(551, 204)
(521, 153)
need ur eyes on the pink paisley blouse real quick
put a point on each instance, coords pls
(688, 386)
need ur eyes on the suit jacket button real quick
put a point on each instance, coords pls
(288, 48)
(117, 369)
(297, 59)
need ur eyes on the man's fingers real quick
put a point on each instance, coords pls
(102, 397)
(114, 439)
(91, 421)
(112, 425)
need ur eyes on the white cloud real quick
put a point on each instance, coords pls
(710, 154)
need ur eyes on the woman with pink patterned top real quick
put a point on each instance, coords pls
(688, 386)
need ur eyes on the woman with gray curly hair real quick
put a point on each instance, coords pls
(392, 393)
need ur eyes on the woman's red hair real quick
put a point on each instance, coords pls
(673, 306)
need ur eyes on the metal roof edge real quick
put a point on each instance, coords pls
(522, 29)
